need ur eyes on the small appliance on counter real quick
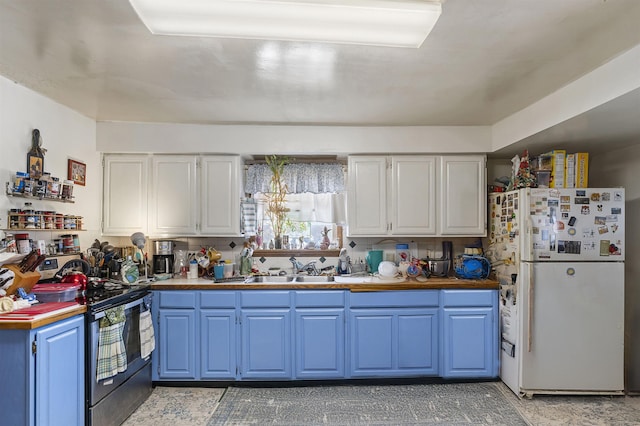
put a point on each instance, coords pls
(163, 264)
(163, 258)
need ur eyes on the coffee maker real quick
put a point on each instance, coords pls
(163, 264)
(163, 258)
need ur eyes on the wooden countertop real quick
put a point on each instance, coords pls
(374, 285)
(42, 319)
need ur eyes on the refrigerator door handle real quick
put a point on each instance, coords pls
(531, 307)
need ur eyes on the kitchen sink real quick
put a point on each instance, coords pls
(313, 279)
(278, 279)
(283, 279)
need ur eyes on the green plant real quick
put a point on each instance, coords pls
(276, 199)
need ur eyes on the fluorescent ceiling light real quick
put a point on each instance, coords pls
(403, 23)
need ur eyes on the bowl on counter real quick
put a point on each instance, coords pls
(387, 269)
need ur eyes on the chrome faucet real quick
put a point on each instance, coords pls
(309, 268)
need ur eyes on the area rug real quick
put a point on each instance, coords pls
(416, 404)
(176, 406)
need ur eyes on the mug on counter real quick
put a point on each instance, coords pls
(218, 271)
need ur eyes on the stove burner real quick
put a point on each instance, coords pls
(110, 294)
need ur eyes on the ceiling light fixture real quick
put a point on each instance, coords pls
(402, 23)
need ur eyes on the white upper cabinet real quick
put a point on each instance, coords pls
(416, 195)
(413, 195)
(367, 195)
(463, 203)
(125, 183)
(187, 195)
(173, 203)
(220, 195)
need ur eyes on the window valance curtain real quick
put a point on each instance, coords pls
(300, 178)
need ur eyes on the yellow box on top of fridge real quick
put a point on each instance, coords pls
(582, 170)
(557, 167)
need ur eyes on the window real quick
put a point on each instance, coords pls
(315, 202)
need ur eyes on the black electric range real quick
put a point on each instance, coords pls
(104, 295)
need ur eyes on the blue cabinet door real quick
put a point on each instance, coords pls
(177, 355)
(393, 342)
(469, 343)
(218, 344)
(319, 341)
(59, 379)
(266, 343)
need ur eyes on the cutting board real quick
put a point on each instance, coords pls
(39, 309)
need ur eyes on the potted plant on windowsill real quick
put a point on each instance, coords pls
(277, 209)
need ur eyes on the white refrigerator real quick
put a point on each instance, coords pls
(559, 257)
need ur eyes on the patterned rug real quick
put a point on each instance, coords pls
(176, 406)
(416, 404)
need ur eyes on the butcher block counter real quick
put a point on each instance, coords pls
(368, 284)
(39, 315)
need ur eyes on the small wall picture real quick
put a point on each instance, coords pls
(77, 172)
(35, 164)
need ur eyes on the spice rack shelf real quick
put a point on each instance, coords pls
(10, 193)
(43, 221)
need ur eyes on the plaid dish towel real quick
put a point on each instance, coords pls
(112, 354)
(147, 337)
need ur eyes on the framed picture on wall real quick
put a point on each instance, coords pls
(35, 165)
(77, 172)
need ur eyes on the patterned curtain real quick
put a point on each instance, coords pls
(300, 178)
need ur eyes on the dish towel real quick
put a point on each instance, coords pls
(112, 354)
(147, 337)
(248, 209)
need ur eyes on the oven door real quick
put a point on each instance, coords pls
(131, 335)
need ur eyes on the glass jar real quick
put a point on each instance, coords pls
(66, 192)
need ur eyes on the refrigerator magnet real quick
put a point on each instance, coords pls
(572, 231)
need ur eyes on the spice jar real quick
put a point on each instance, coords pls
(23, 243)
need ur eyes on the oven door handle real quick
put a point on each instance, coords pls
(129, 305)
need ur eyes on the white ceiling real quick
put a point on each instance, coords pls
(484, 60)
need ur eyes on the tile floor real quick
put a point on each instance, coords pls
(181, 406)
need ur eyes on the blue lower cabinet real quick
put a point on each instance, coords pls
(218, 344)
(393, 342)
(42, 372)
(178, 349)
(325, 334)
(319, 343)
(266, 343)
(470, 335)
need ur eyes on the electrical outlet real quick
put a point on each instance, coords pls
(191, 253)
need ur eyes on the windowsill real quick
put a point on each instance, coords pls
(297, 253)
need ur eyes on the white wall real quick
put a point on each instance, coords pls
(622, 168)
(293, 140)
(66, 134)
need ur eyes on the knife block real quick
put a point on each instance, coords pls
(26, 280)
